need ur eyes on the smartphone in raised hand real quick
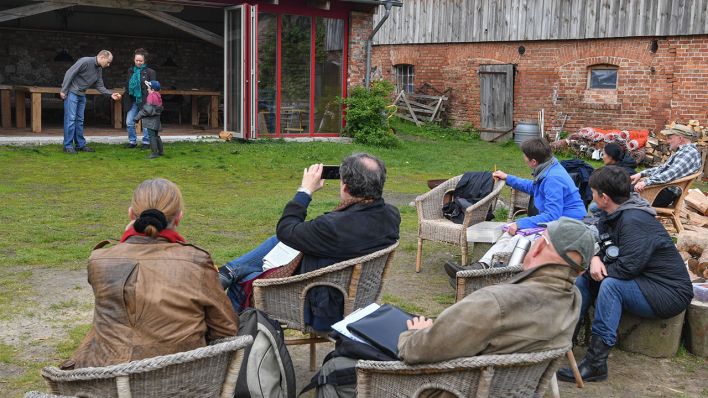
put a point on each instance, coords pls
(330, 172)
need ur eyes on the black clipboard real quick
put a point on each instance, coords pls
(382, 327)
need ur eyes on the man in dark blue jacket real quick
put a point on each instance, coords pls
(361, 224)
(645, 276)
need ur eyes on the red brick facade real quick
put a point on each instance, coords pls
(360, 27)
(652, 88)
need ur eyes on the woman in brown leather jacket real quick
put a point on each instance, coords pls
(154, 293)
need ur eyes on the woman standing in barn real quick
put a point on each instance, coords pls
(138, 74)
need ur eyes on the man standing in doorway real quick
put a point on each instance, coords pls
(84, 74)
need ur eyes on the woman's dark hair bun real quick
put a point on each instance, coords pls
(153, 217)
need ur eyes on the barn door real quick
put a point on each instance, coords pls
(496, 100)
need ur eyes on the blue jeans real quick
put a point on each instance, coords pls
(612, 296)
(245, 268)
(74, 106)
(130, 122)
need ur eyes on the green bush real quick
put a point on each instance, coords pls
(367, 117)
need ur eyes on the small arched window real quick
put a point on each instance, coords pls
(404, 77)
(602, 76)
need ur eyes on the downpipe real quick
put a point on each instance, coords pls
(367, 78)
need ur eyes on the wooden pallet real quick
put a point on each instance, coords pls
(420, 108)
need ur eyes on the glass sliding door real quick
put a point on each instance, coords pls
(234, 69)
(296, 40)
(329, 59)
(283, 73)
(267, 73)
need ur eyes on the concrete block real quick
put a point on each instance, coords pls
(657, 338)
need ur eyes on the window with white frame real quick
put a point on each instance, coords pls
(602, 76)
(404, 77)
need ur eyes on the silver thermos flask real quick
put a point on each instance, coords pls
(517, 256)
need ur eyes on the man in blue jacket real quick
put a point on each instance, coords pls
(554, 195)
(643, 273)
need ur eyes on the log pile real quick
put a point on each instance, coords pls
(693, 247)
(589, 142)
(657, 150)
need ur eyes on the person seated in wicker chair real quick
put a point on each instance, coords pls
(155, 294)
(535, 311)
(554, 195)
(684, 162)
(361, 224)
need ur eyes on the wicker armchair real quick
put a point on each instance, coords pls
(204, 372)
(434, 227)
(518, 204)
(469, 281)
(674, 212)
(359, 279)
(510, 375)
(37, 394)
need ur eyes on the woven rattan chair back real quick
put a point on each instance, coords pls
(510, 375)
(204, 372)
(433, 226)
(360, 280)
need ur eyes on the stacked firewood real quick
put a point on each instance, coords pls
(589, 142)
(657, 149)
(693, 242)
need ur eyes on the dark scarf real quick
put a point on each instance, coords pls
(134, 85)
(538, 170)
(170, 234)
(343, 205)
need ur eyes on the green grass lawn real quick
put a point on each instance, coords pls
(56, 207)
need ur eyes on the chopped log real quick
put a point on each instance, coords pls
(697, 219)
(657, 338)
(697, 330)
(693, 242)
(697, 201)
(685, 255)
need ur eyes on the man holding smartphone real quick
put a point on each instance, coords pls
(361, 224)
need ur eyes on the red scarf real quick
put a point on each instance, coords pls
(170, 234)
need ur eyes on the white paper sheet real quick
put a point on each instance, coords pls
(341, 326)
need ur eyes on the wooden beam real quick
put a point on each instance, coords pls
(185, 26)
(32, 9)
(321, 4)
(123, 4)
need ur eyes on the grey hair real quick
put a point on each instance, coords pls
(364, 175)
(105, 54)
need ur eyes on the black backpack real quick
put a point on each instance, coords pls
(472, 187)
(337, 376)
(267, 370)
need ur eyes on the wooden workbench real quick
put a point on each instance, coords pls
(36, 109)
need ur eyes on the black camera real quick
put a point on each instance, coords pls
(610, 251)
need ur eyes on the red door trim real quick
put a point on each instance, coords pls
(313, 32)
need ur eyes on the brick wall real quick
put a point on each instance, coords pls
(652, 88)
(27, 58)
(360, 27)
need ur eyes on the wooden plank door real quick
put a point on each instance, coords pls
(496, 100)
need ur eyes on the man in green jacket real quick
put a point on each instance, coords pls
(535, 311)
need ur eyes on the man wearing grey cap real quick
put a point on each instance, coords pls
(638, 269)
(535, 311)
(684, 162)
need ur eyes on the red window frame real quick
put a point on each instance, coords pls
(278, 11)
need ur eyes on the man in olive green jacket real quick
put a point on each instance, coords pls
(535, 311)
